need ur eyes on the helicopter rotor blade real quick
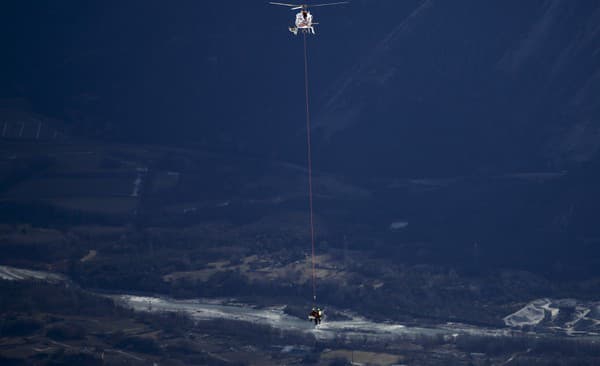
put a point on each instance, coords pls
(284, 4)
(328, 4)
(298, 7)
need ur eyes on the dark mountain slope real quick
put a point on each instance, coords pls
(464, 87)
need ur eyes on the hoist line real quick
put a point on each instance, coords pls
(309, 156)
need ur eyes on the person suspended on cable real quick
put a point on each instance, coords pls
(316, 315)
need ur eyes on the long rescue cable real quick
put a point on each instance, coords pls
(310, 190)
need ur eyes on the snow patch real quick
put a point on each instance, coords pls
(137, 183)
(355, 328)
(17, 274)
(532, 314)
(398, 225)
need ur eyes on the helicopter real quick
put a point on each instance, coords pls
(304, 19)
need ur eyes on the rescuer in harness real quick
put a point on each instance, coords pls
(316, 315)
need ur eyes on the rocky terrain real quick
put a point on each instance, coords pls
(568, 316)
(113, 220)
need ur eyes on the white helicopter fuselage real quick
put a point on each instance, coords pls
(304, 20)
